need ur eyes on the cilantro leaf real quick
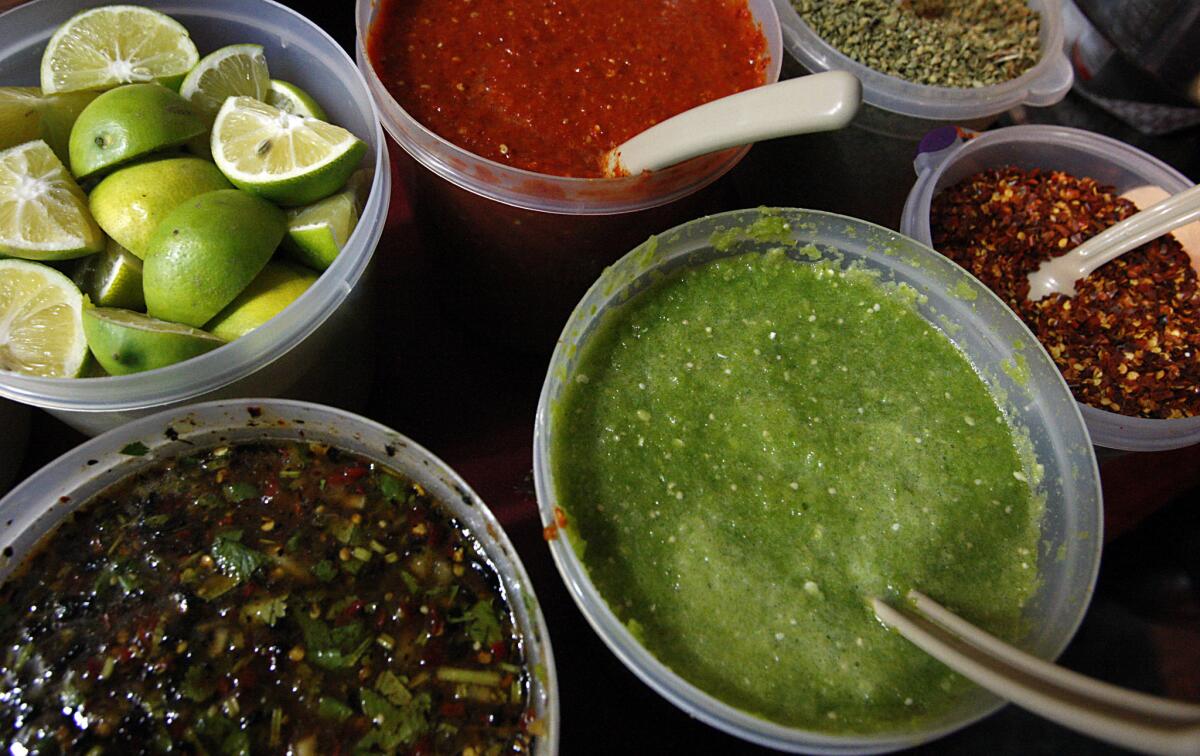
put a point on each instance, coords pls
(240, 491)
(136, 449)
(268, 611)
(392, 487)
(482, 625)
(393, 726)
(332, 649)
(235, 559)
(324, 571)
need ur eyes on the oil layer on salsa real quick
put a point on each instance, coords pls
(261, 598)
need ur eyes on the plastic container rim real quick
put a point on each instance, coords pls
(1135, 433)
(671, 685)
(73, 466)
(250, 353)
(402, 130)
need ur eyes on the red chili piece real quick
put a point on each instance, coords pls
(1129, 340)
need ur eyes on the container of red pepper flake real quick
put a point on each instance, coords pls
(1128, 342)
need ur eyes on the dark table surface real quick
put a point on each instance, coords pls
(472, 403)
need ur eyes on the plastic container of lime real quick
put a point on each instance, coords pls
(506, 237)
(863, 170)
(319, 347)
(42, 501)
(984, 329)
(1079, 153)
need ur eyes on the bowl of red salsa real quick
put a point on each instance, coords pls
(259, 576)
(505, 108)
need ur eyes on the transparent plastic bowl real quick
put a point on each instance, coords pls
(42, 501)
(310, 350)
(987, 332)
(1043, 84)
(1080, 153)
(505, 236)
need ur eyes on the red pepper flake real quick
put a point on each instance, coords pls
(550, 532)
(1129, 340)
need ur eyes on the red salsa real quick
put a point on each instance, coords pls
(262, 598)
(551, 85)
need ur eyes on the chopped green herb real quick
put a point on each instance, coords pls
(331, 708)
(240, 491)
(332, 649)
(198, 686)
(392, 688)
(392, 488)
(481, 623)
(136, 449)
(324, 571)
(235, 559)
(267, 611)
(394, 726)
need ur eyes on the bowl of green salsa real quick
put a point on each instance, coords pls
(265, 576)
(757, 420)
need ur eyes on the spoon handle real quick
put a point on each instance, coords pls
(1060, 274)
(1127, 718)
(818, 102)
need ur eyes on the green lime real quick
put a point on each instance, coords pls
(277, 286)
(230, 71)
(205, 251)
(285, 158)
(112, 278)
(292, 99)
(116, 44)
(129, 122)
(317, 233)
(43, 213)
(131, 201)
(126, 342)
(26, 114)
(41, 330)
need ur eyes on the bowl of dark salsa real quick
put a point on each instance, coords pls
(265, 576)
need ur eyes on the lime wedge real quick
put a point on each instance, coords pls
(27, 114)
(41, 329)
(292, 99)
(127, 123)
(43, 213)
(228, 72)
(285, 158)
(317, 233)
(112, 278)
(116, 44)
(126, 342)
(277, 286)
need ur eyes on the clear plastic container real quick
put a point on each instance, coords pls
(506, 237)
(298, 353)
(864, 169)
(1080, 153)
(986, 331)
(43, 500)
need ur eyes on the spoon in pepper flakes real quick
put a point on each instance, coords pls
(817, 102)
(1128, 718)
(1058, 275)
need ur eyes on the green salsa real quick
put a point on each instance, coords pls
(749, 449)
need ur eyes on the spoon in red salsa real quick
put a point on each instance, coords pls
(819, 102)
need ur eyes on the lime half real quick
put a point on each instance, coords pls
(126, 342)
(43, 213)
(41, 329)
(116, 44)
(112, 278)
(288, 159)
(292, 99)
(228, 72)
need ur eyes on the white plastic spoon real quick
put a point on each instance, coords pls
(1125, 717)
(1058, 276)
(818, 102)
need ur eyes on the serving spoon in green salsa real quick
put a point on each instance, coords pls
(818, 102)
(1127, 718)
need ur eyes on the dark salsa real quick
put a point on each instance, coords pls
(261, 598)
